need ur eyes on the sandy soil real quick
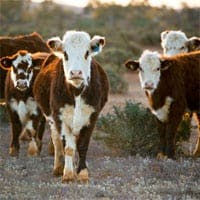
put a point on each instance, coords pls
(111, 176)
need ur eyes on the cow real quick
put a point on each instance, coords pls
(171, 84)
(174, 42)
(10, 45)
(24, 114)
(76, 89)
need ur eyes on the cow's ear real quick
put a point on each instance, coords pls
(193, 44)
(164, 34)
(55, 43)
(132, 64)
(38, 59)
(96, 44)
(6, 63)
(165, 64)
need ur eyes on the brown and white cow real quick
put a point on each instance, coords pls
(24, 114)
(76, 89)
(10, 45)
(171, 84)
(175, 42)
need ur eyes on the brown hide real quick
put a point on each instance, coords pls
(10, 45)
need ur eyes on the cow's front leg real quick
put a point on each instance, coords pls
(174, 120)
(69, 173)
(16, 128)
(162, 131)
(31, 128)
(82, 147)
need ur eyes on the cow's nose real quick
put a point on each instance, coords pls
(148, 85)
(76, 74)
(22, 84)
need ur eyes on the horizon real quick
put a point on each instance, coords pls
(176, 4)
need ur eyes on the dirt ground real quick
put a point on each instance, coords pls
(111, 176)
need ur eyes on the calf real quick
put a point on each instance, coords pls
(171, 84)
(10, 45)
(76, 89)
(24, 114)
(174, 42)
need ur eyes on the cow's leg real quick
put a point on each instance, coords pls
(16, 128)
(40, 132)
(197, 151)
(174, 120)
(69, 173)
(31, 128)
(162, 132)
(58, 153)
(82, 147)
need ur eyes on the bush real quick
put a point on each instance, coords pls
(131, 129)
(117, 82)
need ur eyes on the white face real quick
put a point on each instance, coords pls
(77, 58)
(149, 72)
(174, 42)
(77, 51)
(22, 71)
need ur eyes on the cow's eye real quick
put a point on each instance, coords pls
(66, 56)
(140, 69)
(158, 69)
(86, 54)
(182, 48)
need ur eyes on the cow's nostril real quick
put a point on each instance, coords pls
(76, 73)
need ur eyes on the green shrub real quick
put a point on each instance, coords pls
(117, 82)
(115, 56)
(131, 129)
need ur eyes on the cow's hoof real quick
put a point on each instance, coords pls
(68, 177)
(13, 151)
(161, 156)
(32, 149)
(50, 148)
(83, 176)
(58, 171)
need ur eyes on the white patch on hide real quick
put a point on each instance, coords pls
(162, 113)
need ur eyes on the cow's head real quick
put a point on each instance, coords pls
(22, 65)
(193, 44)
(149, 65)
(77, 49)
(174, 42)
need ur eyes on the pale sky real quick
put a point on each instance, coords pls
(171, 3)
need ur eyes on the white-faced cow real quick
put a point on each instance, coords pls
(24, 114)
(175, 42)
(75, 89)
(171, 84)
(10, 45)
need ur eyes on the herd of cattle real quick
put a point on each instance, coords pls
(60, 81)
